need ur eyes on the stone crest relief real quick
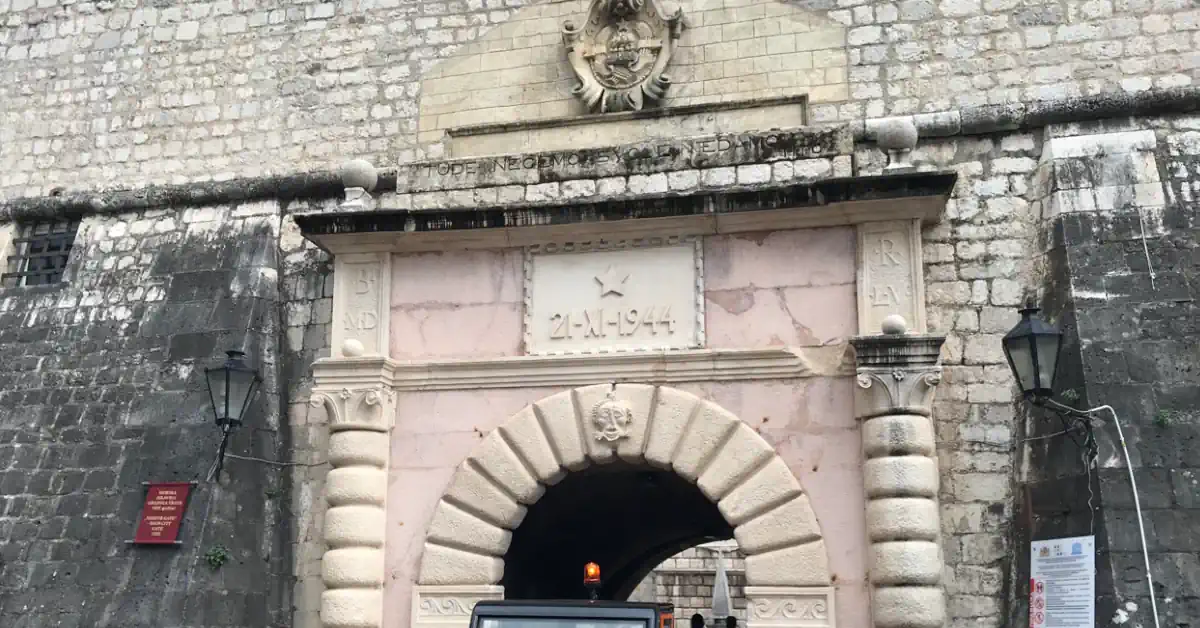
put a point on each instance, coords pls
(621, 52)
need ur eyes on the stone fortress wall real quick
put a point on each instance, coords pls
(105, 93)
(101, 96)
(686, 580)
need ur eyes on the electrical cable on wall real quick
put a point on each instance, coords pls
(1137, 503)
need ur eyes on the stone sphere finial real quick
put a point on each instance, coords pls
(896, 134)
(352, 348)
(359, 173)
(894, 325)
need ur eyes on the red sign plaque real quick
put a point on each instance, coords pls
(162, 513)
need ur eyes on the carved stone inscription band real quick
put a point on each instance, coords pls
(897, 374)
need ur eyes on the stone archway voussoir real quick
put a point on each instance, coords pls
(742, 454)
(793, 523)
(529, 441)
(558, 416)
(504, 466)
(448, 565)
(767, 487)
(640, 399)
(455, 527)
(476, 493)
(796, 566)
(673, 411)
(707, 432)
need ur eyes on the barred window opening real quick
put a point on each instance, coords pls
(39, 253)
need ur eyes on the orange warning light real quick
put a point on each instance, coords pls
(591, 573)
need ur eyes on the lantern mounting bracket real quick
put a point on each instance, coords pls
(1074, 421)
(231, 388)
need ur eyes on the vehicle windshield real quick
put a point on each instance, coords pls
(558, 622)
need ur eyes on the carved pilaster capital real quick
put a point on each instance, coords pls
(897, 373)
(371, 408)
(895, 391)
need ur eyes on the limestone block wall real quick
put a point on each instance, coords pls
(731, 50)
(686, 581)
(102, 389)
(1120, 230)
(245, 89)
(306, 289)
(978, 261)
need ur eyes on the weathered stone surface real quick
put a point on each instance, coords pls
(455, 527)
(103, 390)
(773, 484)
(473, 490)
(744, 451)
(99, 388)
(799, 565)
(791, 523)
(505, 467)
(446, 565)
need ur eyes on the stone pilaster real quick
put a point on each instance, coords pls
(361, 407)
(897, 374)
(362, 278)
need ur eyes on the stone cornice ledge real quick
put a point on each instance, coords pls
(326, 184)
(658, 367)
(834, 201)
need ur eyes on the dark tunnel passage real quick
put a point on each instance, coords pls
(627, 518)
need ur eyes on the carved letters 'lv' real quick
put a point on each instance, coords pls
(620, 53)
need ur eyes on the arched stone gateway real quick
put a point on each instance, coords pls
(660, 427)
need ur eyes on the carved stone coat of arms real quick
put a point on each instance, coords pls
(620, 53)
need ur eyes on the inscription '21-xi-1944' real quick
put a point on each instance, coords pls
(619, 318)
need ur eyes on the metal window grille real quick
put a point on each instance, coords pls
(39, 253)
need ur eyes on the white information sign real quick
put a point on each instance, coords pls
(1062, 583)
(623, 299)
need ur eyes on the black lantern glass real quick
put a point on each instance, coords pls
(1032, 349)
(231, 387)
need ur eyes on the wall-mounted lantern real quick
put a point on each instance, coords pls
(1032, 348)
(231, 387)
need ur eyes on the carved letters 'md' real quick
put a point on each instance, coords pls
(360, 305)
(620, 53)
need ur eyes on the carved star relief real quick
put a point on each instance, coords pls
(612, 281)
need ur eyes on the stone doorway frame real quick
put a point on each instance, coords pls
(787, 573)
(896, 376)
